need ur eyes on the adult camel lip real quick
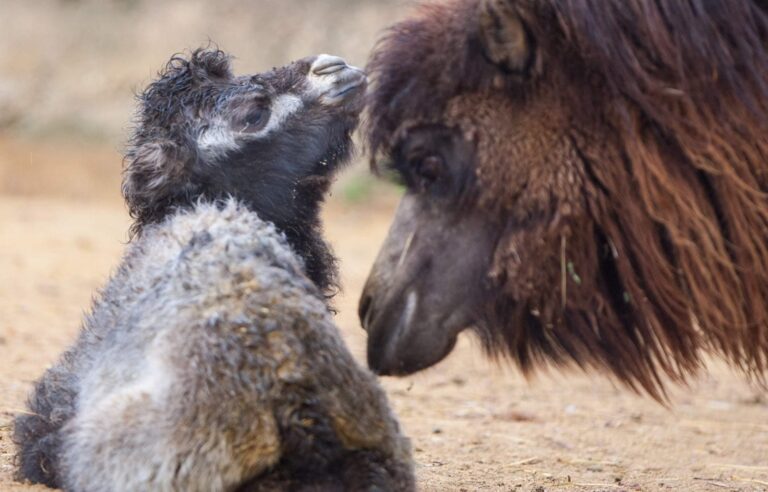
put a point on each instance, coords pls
(392, 348)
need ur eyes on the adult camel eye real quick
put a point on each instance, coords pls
(428, 170)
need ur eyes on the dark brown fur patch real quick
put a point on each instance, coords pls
(635, 193)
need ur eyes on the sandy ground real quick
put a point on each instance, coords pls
(474, 426)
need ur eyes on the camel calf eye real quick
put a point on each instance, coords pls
(255, 117)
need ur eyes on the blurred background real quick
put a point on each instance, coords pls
(68, 73)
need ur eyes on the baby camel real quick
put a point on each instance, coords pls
(210, 360)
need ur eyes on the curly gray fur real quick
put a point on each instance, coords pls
(210, 362)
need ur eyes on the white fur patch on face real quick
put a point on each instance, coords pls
(216, 141)
(282, 108)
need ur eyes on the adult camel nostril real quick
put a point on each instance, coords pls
(328, 64)
(365, 310)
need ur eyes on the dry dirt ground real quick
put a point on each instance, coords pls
(474, 425)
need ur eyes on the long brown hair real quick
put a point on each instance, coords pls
(668, 256)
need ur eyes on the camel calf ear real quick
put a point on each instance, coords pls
(503, 36)
(152, 174)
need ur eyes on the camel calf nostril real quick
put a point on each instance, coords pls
(328, 64)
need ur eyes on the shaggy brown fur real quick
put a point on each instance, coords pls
(625, 169)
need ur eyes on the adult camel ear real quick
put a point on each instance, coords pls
(503, 35)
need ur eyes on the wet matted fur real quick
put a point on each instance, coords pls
(621, 166)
